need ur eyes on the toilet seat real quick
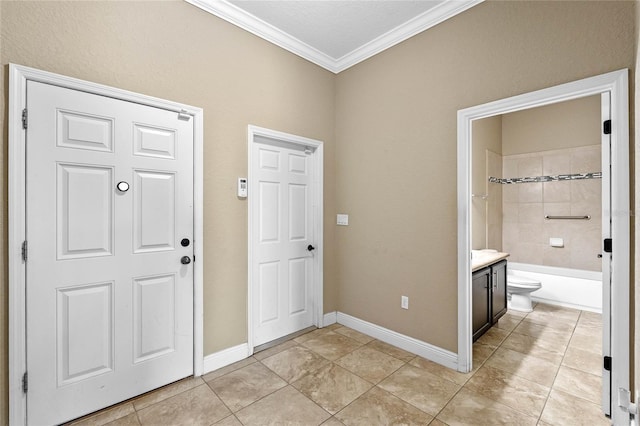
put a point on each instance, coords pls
(524, 283)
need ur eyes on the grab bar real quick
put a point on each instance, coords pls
(585, 217)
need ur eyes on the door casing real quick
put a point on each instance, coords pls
(616, 84)
(18, 77)
(317, 157)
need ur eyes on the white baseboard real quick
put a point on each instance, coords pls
(415, 346)
(225, 357)
(329, 318)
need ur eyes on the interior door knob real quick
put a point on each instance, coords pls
(185, 260)
(310, 247)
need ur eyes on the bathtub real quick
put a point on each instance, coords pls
(572, 288)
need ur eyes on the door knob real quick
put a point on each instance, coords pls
(185, 260)
(122, 186)
(310, 247)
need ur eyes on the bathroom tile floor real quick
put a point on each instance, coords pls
(539, 368)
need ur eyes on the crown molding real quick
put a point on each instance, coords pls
(422, 22)
(237, 16)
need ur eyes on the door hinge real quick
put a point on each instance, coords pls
(24, 118)
(608, 245)
(25, 382)
(607, 363)
(184, 115)
(606, 127)
(25, 251)
(624, 402)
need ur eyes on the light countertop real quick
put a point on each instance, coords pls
(482, 258)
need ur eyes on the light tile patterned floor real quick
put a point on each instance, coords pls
(539, 368)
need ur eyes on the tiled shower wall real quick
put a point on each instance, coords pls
(525, 231)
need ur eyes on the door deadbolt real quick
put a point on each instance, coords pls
(310, 247)
(122, 186)
(185, 260)
(185, 242)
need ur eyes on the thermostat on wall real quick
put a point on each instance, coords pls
(242, 187)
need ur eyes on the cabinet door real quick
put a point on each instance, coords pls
(499, 290)
(481, 291)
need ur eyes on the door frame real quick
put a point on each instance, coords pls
(266, 135)
(18, 77)
(615, 83)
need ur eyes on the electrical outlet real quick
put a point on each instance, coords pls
(404, 302)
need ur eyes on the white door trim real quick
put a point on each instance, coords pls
(18, 77)
(318, 220)
(616, 83)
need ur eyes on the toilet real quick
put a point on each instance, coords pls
(519, 291)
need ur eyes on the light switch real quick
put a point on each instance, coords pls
(343, 219)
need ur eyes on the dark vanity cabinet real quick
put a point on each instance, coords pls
(489, 295)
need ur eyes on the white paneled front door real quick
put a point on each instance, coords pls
(109, 292)
(282, 190)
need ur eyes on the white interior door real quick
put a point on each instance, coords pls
(109, 188)
(282, 238)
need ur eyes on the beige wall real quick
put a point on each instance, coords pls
(396, 124)
(175, 51)
(487, 140)
(563, 125)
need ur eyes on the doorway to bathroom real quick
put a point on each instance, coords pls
(517, 216)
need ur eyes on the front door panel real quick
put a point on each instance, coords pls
(109, 304)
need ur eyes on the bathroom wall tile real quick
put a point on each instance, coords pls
(586, 190)
(585, 249)
(556, 164)
(556, 256)
(510, 193)
(530, 166)
(530, 192)
(531, 253)
(591, 208)
(557, 209)
(509, 167)
(531, 233)
(586, 160)
(530, 213)
(556, 192)
(510, 212)
(494, 237)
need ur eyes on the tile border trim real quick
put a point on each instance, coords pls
(556, 178)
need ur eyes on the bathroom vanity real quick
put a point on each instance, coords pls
(489, 290)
